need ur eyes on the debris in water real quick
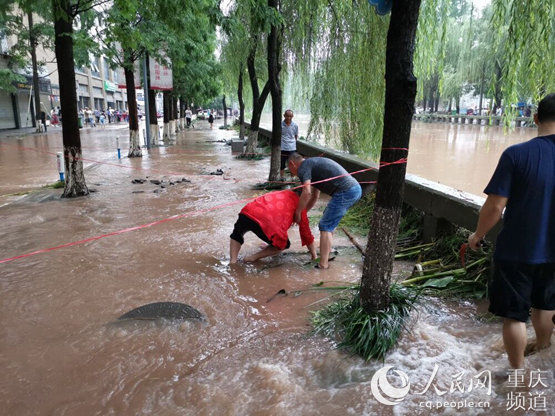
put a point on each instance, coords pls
(163, 310)
(217, 172)
(278, 293)
(269, 186)
(155, 181)
(138, 180)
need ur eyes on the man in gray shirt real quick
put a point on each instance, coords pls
(289, 136)
(323, 174)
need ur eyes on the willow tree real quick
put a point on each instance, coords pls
(234, 58)
(274, 68)
(529, 49)
(337, 49)
(257, 16)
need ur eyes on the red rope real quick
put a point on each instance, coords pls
(175, 217)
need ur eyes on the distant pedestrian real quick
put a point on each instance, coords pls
(289, 137)
(211, 119)
(43, 119)
(188, 116)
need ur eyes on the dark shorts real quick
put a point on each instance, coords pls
(284, 156)
(243, 225)
(517, 287)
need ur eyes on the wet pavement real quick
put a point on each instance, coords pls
(62, 354)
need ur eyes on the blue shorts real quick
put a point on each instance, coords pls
(339, 204)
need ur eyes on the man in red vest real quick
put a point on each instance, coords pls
(269, 217)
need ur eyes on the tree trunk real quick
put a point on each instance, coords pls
(481, 90)
(36, 90)
(458, 105)
(134, 143)
(400, 91)
(497, 88)
(449, 109)
(153, 118)
(171, 116)
(175, 115)
(274, 68)
(63, 41)
(225, 112)
(258, 100)
(166, 101)
(182, 108)
(241, 104)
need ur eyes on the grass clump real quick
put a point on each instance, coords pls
(55, 185)
(256, 156)
(368, 335)
(358, 219)
(359, 215)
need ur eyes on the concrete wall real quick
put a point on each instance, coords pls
(440, 203)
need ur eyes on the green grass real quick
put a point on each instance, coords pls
(368, 335)
(258, 156)
(358, 219)
(55, 185)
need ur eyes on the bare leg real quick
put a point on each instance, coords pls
(234, 247)
(514, 339)
(543, 326)
(265, 252)
(325, 247)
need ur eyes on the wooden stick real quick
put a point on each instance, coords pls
(356, 244)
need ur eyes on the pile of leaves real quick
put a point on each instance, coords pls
(438, 269)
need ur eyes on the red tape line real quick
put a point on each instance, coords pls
(175, 217)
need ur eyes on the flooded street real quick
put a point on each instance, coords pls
(61, 352)
(462, 156)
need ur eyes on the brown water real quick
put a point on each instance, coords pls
(461, 156)
(61, 354)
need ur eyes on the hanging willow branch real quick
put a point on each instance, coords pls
(528, 32)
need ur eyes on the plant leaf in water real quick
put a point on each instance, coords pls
(439, 283)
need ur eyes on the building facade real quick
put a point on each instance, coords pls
(96, 85)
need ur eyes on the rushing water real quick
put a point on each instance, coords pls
(62, 354)
(462, 156)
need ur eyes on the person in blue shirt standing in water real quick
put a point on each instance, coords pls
(524, 257)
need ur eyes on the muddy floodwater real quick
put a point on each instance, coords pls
(62, 354)
(462, 156)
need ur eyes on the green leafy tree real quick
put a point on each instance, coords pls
(19, 21)
(64, 14)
